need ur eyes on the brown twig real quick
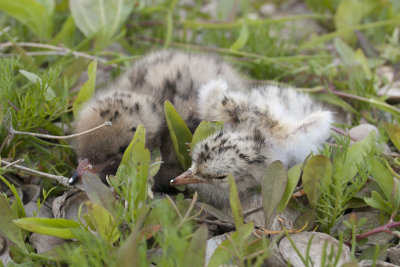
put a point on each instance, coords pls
(60, 179)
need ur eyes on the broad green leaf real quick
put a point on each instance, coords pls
(345, 51)
(293, 175)
(235, 202)
(32, 14)
(273, 186)
(156, 162)
(376, 201)
(305, 220)
(66, 34)
(383, 177)
(196, 251)
(395, 197)
(103, 221)
(350, 13)
(135, 166)
(180, 134)
(139, 137)
(55, 227)
(100, 17)
(317, 170)
(98, 192)
(87, 90)
(7, 228)
(243, 37)
(205, 129)
(356, 155)
(33, 78)
(335, 100)
(49, 5)
(394, 133)
(225, 252)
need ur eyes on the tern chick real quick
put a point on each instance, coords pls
(138, 98)
(266, 124)
(289, 119)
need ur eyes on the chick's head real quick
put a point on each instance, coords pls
(103, 148)
(243, 153)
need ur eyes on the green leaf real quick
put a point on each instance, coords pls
(356, 155)
(363, 61)
(155, 162)
(55, 227)
(30, 13)
(345, 51)
(103, 221)
(293, 175)
(49, 5)
(317, 170)
(196, 251)
(376, 201)
(205, 129)
(180, 134)
(18, 201)
(243, 37)
(335, 100)
(305, 220)
(100, 17)
(87, 90)
(235, 202)
(135, 165)
(98, 192)
(33, 78)
(66, 34)
(273, 186)
(383, 177)
(350, 13)
(394, 133)
(7, 228)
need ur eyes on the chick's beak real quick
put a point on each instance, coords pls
(187, 178)
(83, 167)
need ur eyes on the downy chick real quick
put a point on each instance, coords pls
(239, 151)
(138, 98)
(289, 119)
(266, 124)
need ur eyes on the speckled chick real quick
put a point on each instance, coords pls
(266, 124)
(289, 119)
(137, 97)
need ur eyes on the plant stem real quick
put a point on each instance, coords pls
(107, 123)
(60, 179)
(384, 228)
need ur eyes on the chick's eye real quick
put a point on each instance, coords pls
(221, 177)
(133, 129)
(122, 149)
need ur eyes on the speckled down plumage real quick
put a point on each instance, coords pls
(265, 124)
(138, 97)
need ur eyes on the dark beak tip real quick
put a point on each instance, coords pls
(74, 179)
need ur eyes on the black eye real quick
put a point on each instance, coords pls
(122, 149)
(133, 129)
(221, 177)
